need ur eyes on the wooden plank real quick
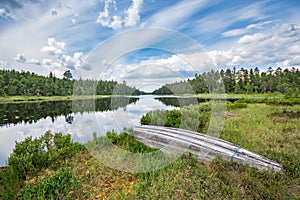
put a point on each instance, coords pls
(204, 147)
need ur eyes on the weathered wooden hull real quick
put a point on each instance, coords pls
(203, 147)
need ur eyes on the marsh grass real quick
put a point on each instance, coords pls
(263, 128)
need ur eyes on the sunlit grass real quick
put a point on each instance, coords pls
(271, 130)
(25, 99)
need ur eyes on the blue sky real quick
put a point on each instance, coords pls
(43, 36)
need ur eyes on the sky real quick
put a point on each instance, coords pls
(147, 43)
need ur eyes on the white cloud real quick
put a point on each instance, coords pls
(47, 61)
(72, 62)
(116, 22)
(158, 71)
(177, 14)
(34, 61)
(276, 47)
(108, 18)
(20, 58)
(252, 27)
(58, 56)
(221, 20)
(54, 48)
(58, 51)
(132, 13)
(34, 24)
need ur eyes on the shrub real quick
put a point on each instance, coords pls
(55, 187)
(128, 142)
(32, 155)
(146, 119)
(236, 105)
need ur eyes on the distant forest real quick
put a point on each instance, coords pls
(238, 81)
(14, 83)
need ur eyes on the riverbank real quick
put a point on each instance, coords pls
(241, 96)
(267, 129)
(25, 99)
(28, 99)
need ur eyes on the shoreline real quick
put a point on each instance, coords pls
(30, 99)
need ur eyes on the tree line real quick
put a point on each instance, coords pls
(15, 83)
(238, 81)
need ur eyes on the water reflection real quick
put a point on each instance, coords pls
(80, 118)
(179, 101)
(15, 113)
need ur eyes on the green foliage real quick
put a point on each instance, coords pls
(126, 141)
(236, 105)
(14, 83)
(238, 81)
(191, 117)
(146, 119)
(52, 187)
(10, 183)
(32, 155)
(173, 118)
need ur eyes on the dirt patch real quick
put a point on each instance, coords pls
(283, 103)
(289, 130)
(35, 180)
(230, 114)
(286, 114)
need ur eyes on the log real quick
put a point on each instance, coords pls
(203, 147)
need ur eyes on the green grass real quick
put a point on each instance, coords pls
(26, 99)
(271, 130)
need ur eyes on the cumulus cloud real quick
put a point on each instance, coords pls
(54, 48)
(22, 59)
(132, 13)
(58, 51)
(72, 62)
(279, 47)
(158, 71)
(108, 18)
(34, 61)
(57, 57)
(47, 61)
(104, 17)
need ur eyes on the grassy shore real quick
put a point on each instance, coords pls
(271, 130)
(23, 99)
(26, 99)
(242, 96)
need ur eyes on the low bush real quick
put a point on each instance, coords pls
(191, 117)
(52, 187)
(126, 141)
(236, 105)
(32, 155)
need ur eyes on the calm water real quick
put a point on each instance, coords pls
(80, 118)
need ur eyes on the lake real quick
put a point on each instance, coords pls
(80, 118)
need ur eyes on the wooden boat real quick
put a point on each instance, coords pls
(203, 147)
